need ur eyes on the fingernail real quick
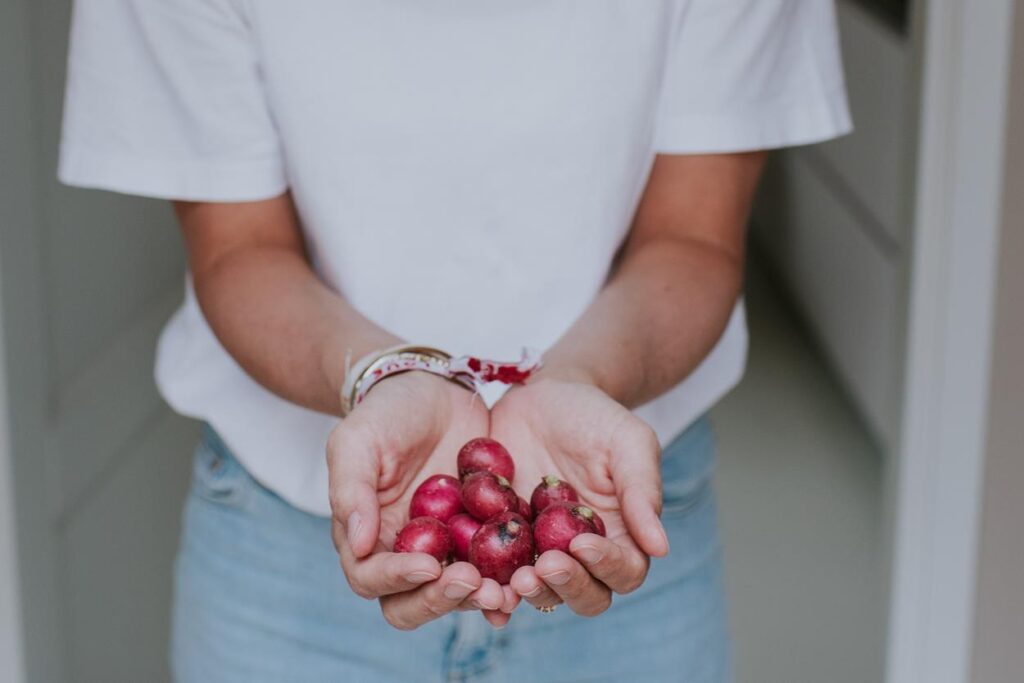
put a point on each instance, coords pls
(664, 538)
(419, 577)
(589, 554)
(558, 578)
(355, 523)
(458, 590)
(534, 593)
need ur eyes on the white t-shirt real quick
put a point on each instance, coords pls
(464, 169)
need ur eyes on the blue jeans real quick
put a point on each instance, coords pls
(259, 596)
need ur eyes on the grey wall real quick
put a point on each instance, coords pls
(998, 655)
(98, 462)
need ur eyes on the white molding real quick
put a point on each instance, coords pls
(12, 664)
(960, 165)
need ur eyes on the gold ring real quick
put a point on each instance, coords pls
(547, 609)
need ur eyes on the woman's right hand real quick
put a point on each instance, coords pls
(408, 428)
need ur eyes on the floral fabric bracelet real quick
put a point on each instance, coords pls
(469, 371)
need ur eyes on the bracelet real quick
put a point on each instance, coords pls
(467, 371)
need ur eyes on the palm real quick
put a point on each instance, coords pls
(572, 431)
(416, 427)
(412, 427)
(403, 472)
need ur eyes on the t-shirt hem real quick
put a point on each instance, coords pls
(758, 128)
(189, 180)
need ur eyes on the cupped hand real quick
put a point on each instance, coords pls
(612, 458)
(409, 427)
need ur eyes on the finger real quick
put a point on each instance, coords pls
(412, 609)
(489, 597)
(584, 594)
(497, 619)
(385, 573)
(353, 468)
(531, 588)
(618, 564)
(636, 471)
(511, 600)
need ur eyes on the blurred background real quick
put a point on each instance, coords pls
(871, 461)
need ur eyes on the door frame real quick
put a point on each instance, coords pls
(14, 207)
(29, 557)
(965, 59)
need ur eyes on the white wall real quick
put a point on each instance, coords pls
(965, 77)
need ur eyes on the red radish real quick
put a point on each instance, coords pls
(462, 527)
(503, 545)
(485, 495)
(485, 455)
(425, 535)
(437, 497)
(524, 509)
(550, 490)
(559, 523)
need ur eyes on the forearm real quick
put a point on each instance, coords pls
(670, 298)
(270, 311)
(655, 321)
(284, 326)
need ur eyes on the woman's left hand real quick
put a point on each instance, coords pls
(612, 458)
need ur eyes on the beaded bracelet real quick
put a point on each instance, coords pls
(468, 371)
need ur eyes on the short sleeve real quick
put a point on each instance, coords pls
(752, 74)
(165, 99)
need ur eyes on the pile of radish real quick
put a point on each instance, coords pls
(480, 519)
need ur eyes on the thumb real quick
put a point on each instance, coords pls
(353, 467)
(636, 473)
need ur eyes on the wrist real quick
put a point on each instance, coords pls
(468, 371)
(337, 359)
(570, 375)
(556, 370)
(425, 389)
(365, 373)
(597, 375)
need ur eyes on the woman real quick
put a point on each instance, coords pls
(355, 180)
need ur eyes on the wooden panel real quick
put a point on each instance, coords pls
(109, 256)
(106, 406)
(119, 556)
(850, 294)
(873, 162)
(106, 256)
